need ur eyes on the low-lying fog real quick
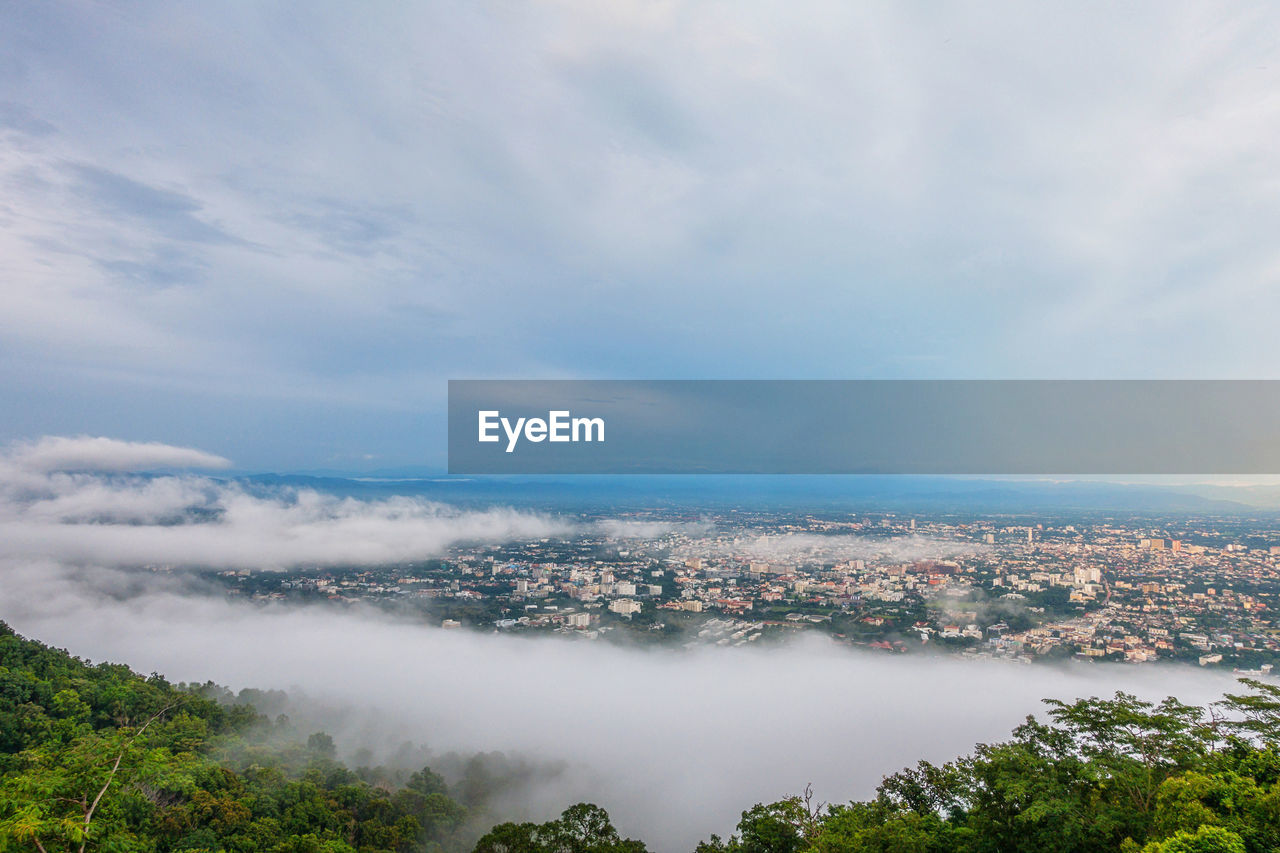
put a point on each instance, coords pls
(674, 744)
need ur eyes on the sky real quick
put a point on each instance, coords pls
(274, 232)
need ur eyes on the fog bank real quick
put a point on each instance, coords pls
(673, 744)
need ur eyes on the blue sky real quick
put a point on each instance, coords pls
(274, 231)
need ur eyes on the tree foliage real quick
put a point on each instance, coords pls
(96, 757)
(582, 828)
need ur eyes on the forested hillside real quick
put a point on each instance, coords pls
(97, 757)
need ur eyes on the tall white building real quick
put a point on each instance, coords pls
(624, 606)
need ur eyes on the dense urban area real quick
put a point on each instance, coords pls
(1127, 589)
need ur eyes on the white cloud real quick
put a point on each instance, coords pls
(299, 528)
(85, 518)
(85, 453)
(60, 498)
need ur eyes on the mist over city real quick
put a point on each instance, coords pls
(774, 649)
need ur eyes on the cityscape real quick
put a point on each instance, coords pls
(1132, 590)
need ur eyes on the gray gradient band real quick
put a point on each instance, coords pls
(866, 427)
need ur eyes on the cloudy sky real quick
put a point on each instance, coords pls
(274, 233)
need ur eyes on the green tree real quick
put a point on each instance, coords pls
(581, 828)
(58, 801)
(1206, 839)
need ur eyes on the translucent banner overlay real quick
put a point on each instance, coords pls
(864, 427)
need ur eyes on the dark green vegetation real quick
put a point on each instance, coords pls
(583, 828)
(96, 757)
(100, 758)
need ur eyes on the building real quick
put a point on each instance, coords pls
(624, 606)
